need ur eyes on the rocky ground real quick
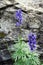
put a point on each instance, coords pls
(32, 11)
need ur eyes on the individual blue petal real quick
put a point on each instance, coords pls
(17, 24)
(30, 42)
(30, 36)
(34, 42)
(31, 48)
(33, 37)
(20, 21)
(34, 46)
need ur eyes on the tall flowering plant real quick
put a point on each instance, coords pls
(22, 55)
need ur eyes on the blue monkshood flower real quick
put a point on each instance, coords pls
(32, 40)
(19, 15)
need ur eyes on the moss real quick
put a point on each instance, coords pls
(2, 35)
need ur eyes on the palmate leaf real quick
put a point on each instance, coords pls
(34, 59)
(14, 56)
(19, 53)
(41, 64)
(19, 62)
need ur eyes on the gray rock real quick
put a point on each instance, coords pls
(2, 4)
(5, 55)
(32, 14)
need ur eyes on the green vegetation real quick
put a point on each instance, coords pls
(22, 55)
(2, 35)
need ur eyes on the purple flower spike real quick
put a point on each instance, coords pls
(32, 41)
(19, 17)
